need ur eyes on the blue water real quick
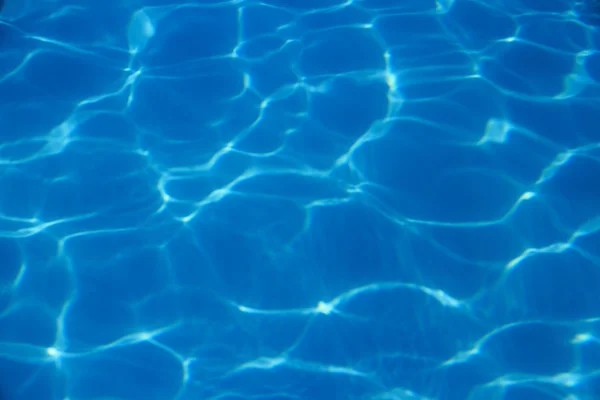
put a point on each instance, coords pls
(300, 199)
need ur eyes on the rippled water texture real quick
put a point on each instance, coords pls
(300, 199)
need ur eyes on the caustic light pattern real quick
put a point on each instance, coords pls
(361, 199)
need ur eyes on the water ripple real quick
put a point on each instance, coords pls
(349, 199)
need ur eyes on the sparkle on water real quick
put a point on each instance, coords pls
(300, 199)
